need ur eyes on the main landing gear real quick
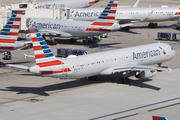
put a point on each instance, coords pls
(124, 80)
(126, 28)
(73, 40)
(152, 25)
(54, 42)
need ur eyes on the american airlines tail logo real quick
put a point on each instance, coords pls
(163, 50)
(146, 54)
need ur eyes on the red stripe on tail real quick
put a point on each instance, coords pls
(39, 56)
(37, 48)
(50, 63)
(102, 24)
(7, 41)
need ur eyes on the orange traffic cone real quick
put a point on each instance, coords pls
(28, 49)
(113, 35)
(148, 34)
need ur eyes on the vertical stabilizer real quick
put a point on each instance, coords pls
(107, 17)
(9, 33)
(43, 55)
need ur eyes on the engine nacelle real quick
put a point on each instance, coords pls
(145, 74)
(28, 37)
(34, 69)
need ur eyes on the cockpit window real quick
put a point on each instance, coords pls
(172, 48)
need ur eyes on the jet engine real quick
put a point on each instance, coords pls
(28, 37)
(146, 74)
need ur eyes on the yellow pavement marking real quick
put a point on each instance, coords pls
(51, 93)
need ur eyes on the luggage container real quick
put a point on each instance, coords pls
(65, 52)
(164, 35)
(175, 36)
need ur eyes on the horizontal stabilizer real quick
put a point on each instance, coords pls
(18, 66)
(126, 25)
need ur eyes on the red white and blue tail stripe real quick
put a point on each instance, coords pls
(44, 56)
(41, 50)
(107, 17)
(159, 118)
(9, 33)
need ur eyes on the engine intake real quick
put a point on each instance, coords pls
(146, 74)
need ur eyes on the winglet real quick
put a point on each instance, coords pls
(170, 70)
(136, 4)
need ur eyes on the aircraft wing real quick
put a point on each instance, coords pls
(53, 32)
(131, 67)
(18, 66)
(27, 42)
(128, 20)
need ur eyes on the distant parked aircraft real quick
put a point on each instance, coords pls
(67, 3)
(9, 34)
(64, 28)
(131, 14)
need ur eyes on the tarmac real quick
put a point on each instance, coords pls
(24, 96)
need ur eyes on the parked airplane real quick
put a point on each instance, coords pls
(131, 14)
(126, 60)
(66, 3)
(9, 34)
(64, 28)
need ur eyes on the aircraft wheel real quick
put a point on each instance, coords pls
(44, 37)
(72, 40)
(155, 25)
(150, 25)
(126, 28)
(54, 42)
(124, 80)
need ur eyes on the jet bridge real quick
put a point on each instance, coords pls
(31, 10)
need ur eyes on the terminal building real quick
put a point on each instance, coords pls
(31, 10)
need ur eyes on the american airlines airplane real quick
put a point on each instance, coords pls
(9, 34)
(66, 3)
(126, 60)
(64, 28)
(131, 14)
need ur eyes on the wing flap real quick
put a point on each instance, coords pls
(131, 67)
(52, 32)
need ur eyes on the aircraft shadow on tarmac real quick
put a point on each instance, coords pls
(76, 84)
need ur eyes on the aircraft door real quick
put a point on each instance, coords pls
(107, 61)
